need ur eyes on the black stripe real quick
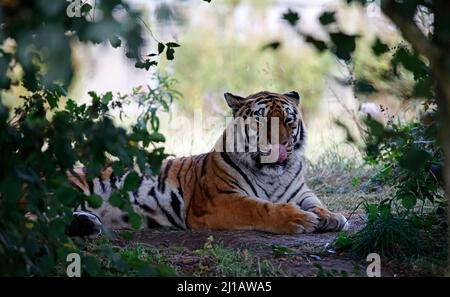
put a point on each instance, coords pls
(176, 204)
(220, 191)
(168, 215)
(294, 179)
(151, 223)
(162, 177)
(147, 208)
(230, 162)
(263, 189)
(299, 128)
(232, 182)
(303, 200)
(171, 219)
(295, 192)
(205, 159)
(113, 180)
(302, 131)
(180, 189)
(91, 187)
(102, 184)
(152, 193)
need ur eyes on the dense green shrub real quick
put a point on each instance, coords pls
(35, 154)
(49, 133)
(410, 159)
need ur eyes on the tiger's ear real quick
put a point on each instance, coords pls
(234, 102)
(293, 95)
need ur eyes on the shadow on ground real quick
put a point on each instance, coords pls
(250, 253)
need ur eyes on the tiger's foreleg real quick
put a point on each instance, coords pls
(237, 212)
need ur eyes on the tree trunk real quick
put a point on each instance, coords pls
(441, 72)
(444, 117)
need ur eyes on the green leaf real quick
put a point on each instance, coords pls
(44, 265)
(170, 53)
(135, 221)
(132, 181)
(372, 212)
(318, 44)
(412, 62)
(292, 17)
(52, 100)
(115, 200)
(327, 18)
(115, 41)
(379, 48)
(274, 45)
(343, 241)
(423, 88)
(56, 227)
(66, 195)
(414, 159)
(364, 87)
(127, 235)
(156, 137)
(408, 200)
(172, 44)
(10, 189)
(139, 64)
(161, 47)
(94, 201)
(91, 265)
(107, 97)
(344, 45)
(149, 63)
(281, 250)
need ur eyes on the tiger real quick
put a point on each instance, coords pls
(223, 189)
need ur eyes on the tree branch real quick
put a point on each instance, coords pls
(420, 43)
(410, 30)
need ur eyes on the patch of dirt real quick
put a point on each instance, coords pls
(302, 252)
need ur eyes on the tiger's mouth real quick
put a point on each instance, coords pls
(276, 154)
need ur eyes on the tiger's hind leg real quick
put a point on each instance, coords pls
(91, 222)
(84, 223)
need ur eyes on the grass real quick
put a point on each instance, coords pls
(234, 262)
(213, 259)
(343, 181)
(135, 259)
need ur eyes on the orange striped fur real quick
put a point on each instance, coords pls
(227, 190)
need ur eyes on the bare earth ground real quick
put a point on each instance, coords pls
(197, 253)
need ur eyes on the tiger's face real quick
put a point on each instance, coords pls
(273, 123)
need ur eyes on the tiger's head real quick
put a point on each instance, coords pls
(268, 127)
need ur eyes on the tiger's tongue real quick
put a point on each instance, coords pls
(280, 150)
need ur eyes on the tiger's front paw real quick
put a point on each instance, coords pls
(330, 221)
(290, 219)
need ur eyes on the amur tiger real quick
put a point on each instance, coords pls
(224, 189)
